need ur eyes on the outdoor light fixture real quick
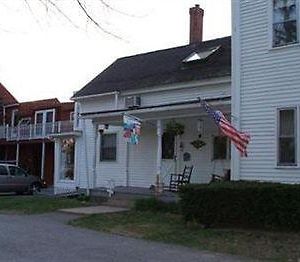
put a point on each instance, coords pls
(200, 126)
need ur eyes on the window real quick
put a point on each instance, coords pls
(3, 171)
(201, 55)
(72, 116)
(14, 117)
(26, 121)
(168, 143)
(67, 159)
(108, 150)
(285, 23)
(44, 120)
(221, 148)
(16, 171)
(287, 137)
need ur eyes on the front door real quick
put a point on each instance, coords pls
(44, 122)
(168, 157)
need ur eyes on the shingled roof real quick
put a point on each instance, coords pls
(6, 98)
(162, 67)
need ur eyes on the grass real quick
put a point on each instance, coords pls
(36, 204)
(169, 228)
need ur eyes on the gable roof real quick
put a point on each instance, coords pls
(162, 67)
(6, 98)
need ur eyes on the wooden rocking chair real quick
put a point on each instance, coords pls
(177, 180)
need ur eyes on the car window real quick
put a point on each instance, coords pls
(16, 171)
(3, 171)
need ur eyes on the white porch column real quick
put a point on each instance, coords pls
(17, 154)
(57, 161)
(159, 149)
(43, 161)
(96, 143)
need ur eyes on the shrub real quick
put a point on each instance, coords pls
(242, 204)
(155, 205)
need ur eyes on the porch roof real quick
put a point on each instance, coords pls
(168, 110)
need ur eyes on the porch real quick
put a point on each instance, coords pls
(131, 193)
(158, 153)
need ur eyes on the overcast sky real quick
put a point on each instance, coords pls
(44, 56)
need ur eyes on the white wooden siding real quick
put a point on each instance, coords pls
(142, 157)
(269, 79)
(98, 104)
(158, 97)
(84, 153)
(112, 170)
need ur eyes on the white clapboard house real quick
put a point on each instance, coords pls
(160, 88)
(266, 88)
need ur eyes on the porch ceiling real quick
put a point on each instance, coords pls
(167, 112)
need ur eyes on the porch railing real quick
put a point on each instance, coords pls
(2, 132)
(38, 131)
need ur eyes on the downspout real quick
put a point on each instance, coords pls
(127, 164)
(95, 155)
(86, 160)
(4, 116)
(116, 100)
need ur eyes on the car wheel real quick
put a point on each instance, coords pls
(34, 188)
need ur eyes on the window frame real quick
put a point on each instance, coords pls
(23, 119)
(14, 114)
(271, 26)
(163, 147)
(116, 154)
(7, 171)
(228, 149)
(44, 112)
(296, 136)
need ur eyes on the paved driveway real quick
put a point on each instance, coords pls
(46, 238)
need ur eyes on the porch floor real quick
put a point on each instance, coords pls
(123, 192)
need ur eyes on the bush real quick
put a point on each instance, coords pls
(242, 204)
(155, 205)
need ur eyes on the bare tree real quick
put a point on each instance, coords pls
(85, 7)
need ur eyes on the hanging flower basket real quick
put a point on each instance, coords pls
(67, 145)
(175, 128)
(198, 143)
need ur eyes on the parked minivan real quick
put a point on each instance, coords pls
(15, 179)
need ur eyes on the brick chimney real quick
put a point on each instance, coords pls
(196, 24)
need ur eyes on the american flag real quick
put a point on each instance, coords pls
(239, 139)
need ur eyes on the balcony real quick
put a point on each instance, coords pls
(37, 131)
(2, 132)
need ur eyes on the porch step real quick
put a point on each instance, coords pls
(125, 197)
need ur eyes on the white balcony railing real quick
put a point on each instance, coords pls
(38, 131)
(2, 132)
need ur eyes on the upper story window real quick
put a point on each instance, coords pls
(14, 117)
(285, 22)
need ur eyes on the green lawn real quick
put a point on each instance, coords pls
(36, 204)
(169, 228)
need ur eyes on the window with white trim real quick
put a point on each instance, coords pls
(108, 147)
(285, 22)
(221, 148)
(287, 137)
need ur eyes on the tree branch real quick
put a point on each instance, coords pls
(85, 11)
